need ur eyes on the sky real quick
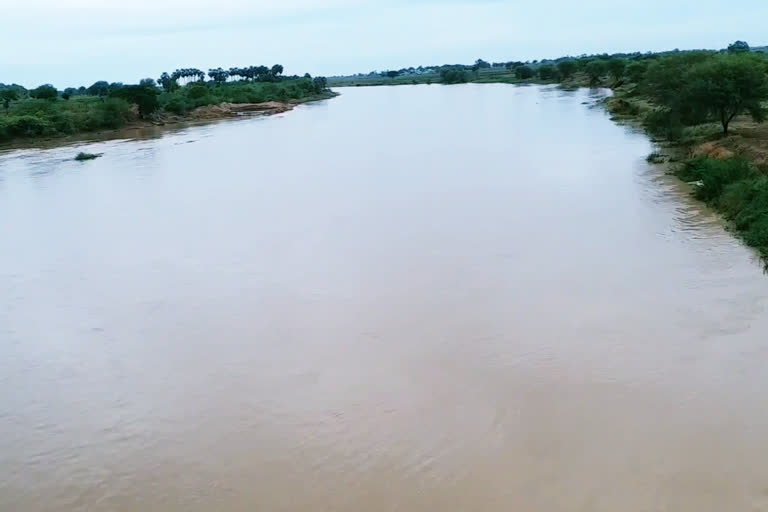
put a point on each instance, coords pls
(77, 42)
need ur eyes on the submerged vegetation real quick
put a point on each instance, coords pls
(46, 111)
(81, 157)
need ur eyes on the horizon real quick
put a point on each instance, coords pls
(84, 41)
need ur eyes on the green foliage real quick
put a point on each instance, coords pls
(726, 86)
(738, 47)
(595, 70)
(453, 75)
(664, 122)
(107, 106)
(699, 86)
(7, 95)
(567, 68)
(524, 72)
(218, 75)
(100, 88)
(547, 72)
(635, 71)
(169, 84)
(714, 175)
(45, 92)
(144, 96)
(616, 68)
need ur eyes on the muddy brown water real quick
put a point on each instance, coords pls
(402, 299)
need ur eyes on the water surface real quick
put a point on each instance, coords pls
(421, 298)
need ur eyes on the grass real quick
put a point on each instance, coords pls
(81, 157)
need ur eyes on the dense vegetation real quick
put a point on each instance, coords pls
(46, 111)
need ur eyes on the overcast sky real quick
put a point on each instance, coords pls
(76, 42)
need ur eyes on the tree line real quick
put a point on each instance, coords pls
(686, 87)
(45, 110)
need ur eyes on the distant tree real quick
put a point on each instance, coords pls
(45, 92)
(147, 82)
(616, 68)
(524, 72)
(547, 72)
(319, 84)
(453, 75)
(144, 96)
(481, 64)
(595, 71)
(8, 95)
(218, 75)
(277, 70)
(167, 82)
(392, 74)
(70, 91)
(566, 68)
(738, 47)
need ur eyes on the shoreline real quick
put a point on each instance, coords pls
(140, 128)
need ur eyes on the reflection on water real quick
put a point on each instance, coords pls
(412, 298)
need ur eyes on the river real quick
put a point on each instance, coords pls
(416, 298)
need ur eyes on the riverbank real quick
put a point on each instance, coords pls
(139, 128)
(727, 172)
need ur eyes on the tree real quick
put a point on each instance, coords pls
(147, 82)
(453, 75)
(616, 68)
(566, 68)
(595, 71)
(319, 84)
(391, 74)
(547, 72)
(727, 86)
(524, 72)
(7, 96)
(167, 82)
(45, 92)
(145, 97)
(100, 88)
(636, 71)
(277, 70)
(481, 64)
(70, 91)
(738, 47)
(218, 75)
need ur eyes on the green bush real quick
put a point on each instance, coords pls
(714, 175)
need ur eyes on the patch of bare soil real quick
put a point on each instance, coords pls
(750, 140)
(225, 110)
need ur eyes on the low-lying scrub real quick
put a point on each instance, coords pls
(736, 189)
